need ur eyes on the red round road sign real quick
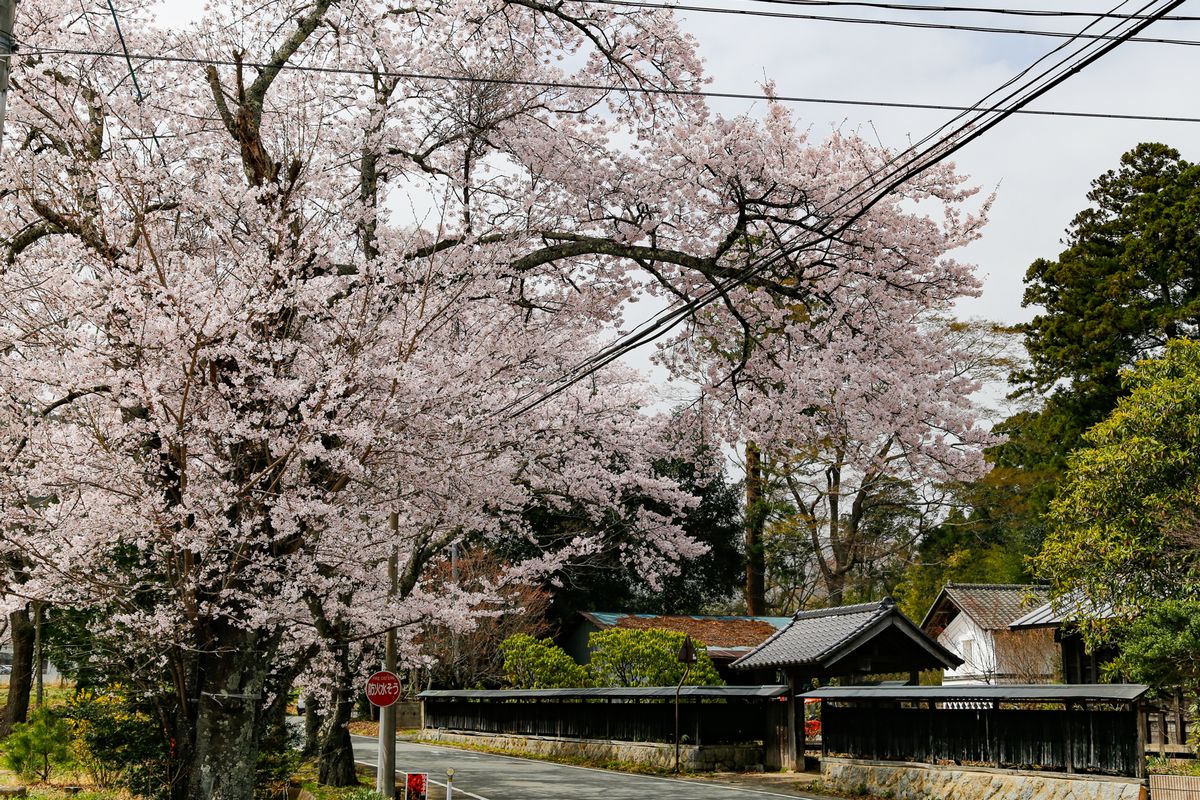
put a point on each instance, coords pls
(383, 688)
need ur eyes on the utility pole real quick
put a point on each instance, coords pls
(37, 653)
(8, 14)
(385, 775)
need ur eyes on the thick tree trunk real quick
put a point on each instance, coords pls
(223, 754)
(335, 765)
(756, 566)
(20, 680)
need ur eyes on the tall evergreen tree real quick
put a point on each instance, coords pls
(1127, 282)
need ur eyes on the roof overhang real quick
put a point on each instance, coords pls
(1039, 692)
(609, 692)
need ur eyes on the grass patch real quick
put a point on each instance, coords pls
(55, 790)
(614, 765)
(306, 778)
(53, 694)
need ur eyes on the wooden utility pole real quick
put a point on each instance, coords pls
(385, 775)
(8, 15)
(756, 518)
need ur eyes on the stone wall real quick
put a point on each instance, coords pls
(906, 781)
(702, 758)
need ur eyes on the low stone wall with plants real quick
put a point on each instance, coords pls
(692, 758)
(907, 781)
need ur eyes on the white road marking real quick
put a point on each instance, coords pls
(727, 786)
(457, 790)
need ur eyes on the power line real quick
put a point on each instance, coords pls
(949, 143)
(1022, 12)
(651, 90)
(876, 188)
(938, 26)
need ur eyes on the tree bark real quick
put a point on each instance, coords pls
(20, 681)
(335, 765)
(756, 517)
(219, 763)
(312, 726)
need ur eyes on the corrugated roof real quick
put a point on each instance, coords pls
(1065, 609)
(716, 632)
(991, 605)
(814, 637)
(614, 692)
(1002, 692)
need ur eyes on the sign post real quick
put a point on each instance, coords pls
(383, 690)
(385, 773)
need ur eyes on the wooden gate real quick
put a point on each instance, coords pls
(777, 746)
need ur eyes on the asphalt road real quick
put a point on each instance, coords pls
(481, 776)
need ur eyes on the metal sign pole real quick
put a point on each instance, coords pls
(385, 776)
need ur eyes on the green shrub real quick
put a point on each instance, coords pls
(36, 747)
(531, 663)
(636, 657)
(278, 759)
(117, 743)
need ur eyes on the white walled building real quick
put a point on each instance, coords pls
(971, 620)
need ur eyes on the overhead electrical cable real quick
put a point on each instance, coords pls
(936, 26)
(1022, 12)
(875, 191)
(35, 50)
(980, 118)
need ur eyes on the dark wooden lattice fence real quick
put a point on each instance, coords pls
(1093, 739)
(633, 720)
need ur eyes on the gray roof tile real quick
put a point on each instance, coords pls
(993, 606)
(814, 635)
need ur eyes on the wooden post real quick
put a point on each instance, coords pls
(1162, 732)
(1069, 739)
(794, 703)
(1143, 723)
(995, 737)
(1180, 720)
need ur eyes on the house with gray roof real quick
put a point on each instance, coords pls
(972, 620)
(1058, 619)
(848, 642)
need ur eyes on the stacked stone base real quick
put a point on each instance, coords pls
(693, 758)
(906, 781)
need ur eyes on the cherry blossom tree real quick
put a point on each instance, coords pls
(866, 468)
(301, 286)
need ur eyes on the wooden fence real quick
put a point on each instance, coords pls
(701, 721)
(1077, 738)
(1168, 723)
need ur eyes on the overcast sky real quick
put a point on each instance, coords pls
(1040, 167)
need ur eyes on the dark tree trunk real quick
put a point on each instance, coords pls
(220, 761)
(312, 726)
(335, 764)
(20, 680)
(756, 517)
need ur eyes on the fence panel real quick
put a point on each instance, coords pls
(1100, 741)
(709, 722)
